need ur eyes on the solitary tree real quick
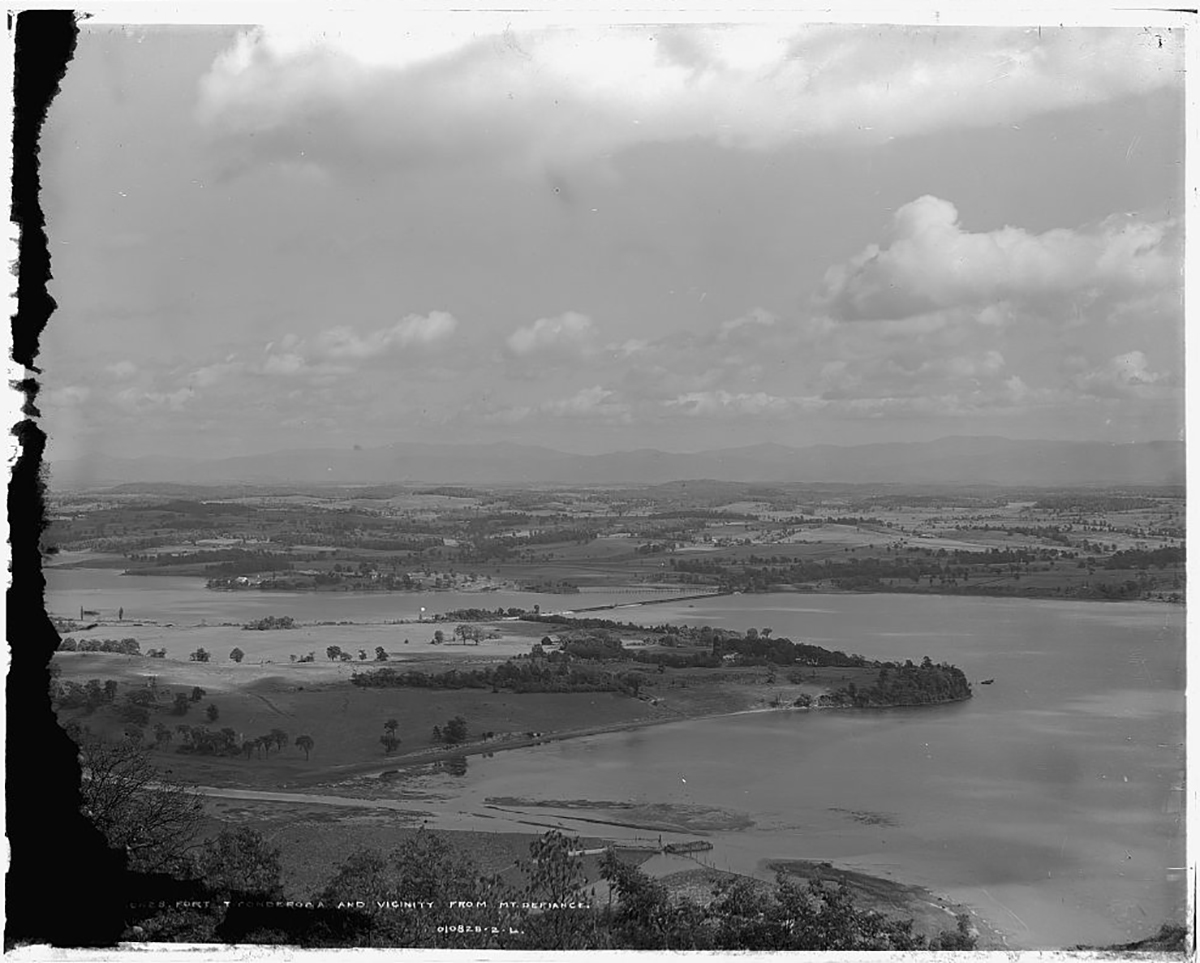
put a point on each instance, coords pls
(200, 655)
(334, 652)
(181, 704)
(237, 655)
(279, 737)
(305, 743)
(380, 654)
(389, 738)
(198, 693)
(212, 712)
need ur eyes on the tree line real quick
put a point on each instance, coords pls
(516, 675)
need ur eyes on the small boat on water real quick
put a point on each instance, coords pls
(987, 681)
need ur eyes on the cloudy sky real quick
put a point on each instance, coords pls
(611, 236)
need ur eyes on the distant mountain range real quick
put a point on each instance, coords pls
(947, 461)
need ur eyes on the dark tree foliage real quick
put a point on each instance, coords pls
(517, 675)
(139, 808)
(905, 685)
(434, 896)
(270, 623)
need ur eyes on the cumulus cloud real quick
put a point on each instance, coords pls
(422, 91)
(570, 331)
(931, 263)
(288, 363)
(748, 325)
(68, 396)
(140, 399)
(588, 403)
(122, 370)
(1126, 375)
(211, 374)
(340, 350)
(596, 404)
(722, 402)
(344, 342)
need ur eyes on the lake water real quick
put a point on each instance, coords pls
(186, 601)
(1052, 802)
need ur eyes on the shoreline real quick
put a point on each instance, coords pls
(335, 776)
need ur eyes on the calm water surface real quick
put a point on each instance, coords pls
(1051, 802)
(185, 601)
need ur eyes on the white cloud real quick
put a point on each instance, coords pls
(343, 342)
(212, 374)
(542, 96)
(570, 331)
(1125, 375)
(931, 263)
(139, 399)
(288, 363)
(748, 325)
(122, 370)
(341, 350)
(68, 396)
(722, 402)
(588, 403)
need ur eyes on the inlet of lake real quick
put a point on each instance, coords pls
(1052, 802)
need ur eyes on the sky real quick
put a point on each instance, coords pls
(600, 237)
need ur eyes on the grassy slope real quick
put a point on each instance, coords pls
(344, 720)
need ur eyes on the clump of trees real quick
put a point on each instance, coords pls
(200, 655)
(905, 685)
(90, 696)
(118, 646)
(755, 647)
(270, 623)
(453, 732)
(202, 741)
